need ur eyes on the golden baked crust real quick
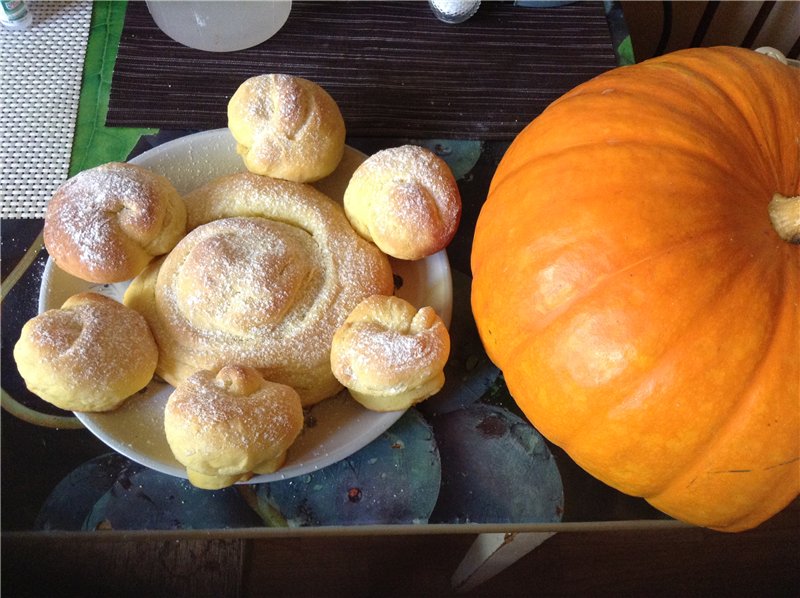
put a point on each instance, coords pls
(405, 200)
(389, 355)
(224, 428)
(89, 355)
(107, 223)
(268, 272)
(286, 127)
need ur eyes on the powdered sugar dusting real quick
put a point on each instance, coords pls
(391, 349)
(242, 273)
(55, 333)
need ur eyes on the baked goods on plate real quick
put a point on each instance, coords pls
(286, 127)
(227, 426)
(390, 355)
(90, 354)
(405, 200)
(338, 426)
(107, 223)
(268, 271)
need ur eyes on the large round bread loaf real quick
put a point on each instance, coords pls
(268, 272)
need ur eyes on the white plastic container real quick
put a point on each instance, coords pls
(220, 25)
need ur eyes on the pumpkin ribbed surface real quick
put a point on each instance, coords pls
(629, 283)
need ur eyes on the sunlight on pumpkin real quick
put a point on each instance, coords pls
(609, 355)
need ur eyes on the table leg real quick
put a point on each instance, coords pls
(490, 554)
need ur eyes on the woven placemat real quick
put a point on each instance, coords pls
(394, 69)
(41, 69)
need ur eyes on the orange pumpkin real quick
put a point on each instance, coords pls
(630, 282)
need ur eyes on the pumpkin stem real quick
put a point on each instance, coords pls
(784, 212)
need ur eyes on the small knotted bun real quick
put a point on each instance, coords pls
(389, 355)
(224, 428)
(286, 127)
(405, 200)
(106, 224)
(89, 355)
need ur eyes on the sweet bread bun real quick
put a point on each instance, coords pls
(268, 272)
(89, 355)
(405, 200)
(286, 127)
(389, 355)
(107, 223)
(227, 427)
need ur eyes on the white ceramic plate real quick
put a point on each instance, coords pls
(340, 425)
